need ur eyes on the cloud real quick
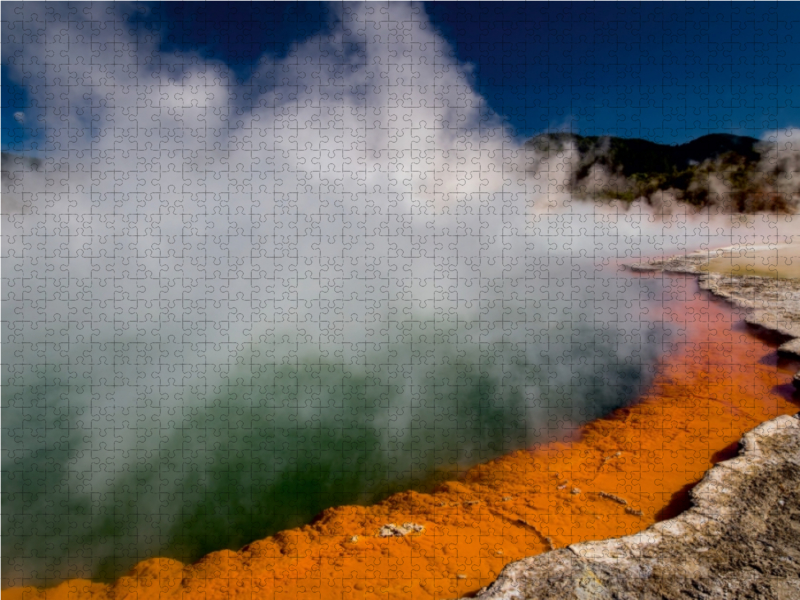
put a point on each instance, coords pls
(19, 117)
(786, 135)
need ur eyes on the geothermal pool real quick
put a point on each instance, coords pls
(115, 456)
(610, 477)
(175, 384)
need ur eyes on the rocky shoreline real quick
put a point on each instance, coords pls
(740, 539)
(773, 304)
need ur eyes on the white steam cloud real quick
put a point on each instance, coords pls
(355, 203)
(780, 160)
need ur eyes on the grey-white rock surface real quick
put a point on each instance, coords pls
(392, 530)
(741, 539)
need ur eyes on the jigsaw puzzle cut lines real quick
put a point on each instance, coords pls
(334, 298)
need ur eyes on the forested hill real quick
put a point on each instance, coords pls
(728, 172)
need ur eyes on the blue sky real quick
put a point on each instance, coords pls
(668, 72)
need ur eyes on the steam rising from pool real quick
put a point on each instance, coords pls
(228, 306)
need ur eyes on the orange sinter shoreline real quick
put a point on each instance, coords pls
(617, 476)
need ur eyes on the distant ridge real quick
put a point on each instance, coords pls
(731, 173)
(635, 155)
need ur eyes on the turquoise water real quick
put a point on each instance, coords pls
(277, 433)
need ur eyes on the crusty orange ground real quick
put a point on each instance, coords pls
(617, 476)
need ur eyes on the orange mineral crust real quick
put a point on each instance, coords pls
(614, 477)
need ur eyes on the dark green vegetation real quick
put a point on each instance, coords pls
(727, 172)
